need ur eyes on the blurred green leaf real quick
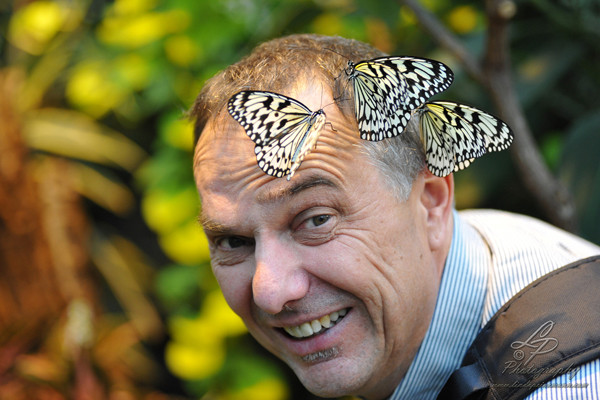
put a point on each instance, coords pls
(177, 287)
(551, 148)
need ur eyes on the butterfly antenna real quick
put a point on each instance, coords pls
(321, 105)
(335, 100)
(333, 51)
(340, 99)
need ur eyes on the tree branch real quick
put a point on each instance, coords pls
(444, 37)
(548, 191)
(495, 76)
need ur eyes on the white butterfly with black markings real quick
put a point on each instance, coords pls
(388, 89)
(283, 129)
(454, 134)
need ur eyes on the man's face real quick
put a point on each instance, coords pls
(329, 271)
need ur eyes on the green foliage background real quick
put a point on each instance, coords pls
(105, 85)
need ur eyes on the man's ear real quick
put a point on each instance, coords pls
(438, 200)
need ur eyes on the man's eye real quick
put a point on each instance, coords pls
(234, 242)
(319, 219)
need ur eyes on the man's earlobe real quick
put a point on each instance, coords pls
(438, 199)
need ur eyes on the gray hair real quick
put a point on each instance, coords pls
(400, 159)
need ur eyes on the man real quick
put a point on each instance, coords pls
(357, 272)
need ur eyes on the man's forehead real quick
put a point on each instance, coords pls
(223, 142)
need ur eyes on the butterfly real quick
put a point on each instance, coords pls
(388, 89)
(453, 135)
(283, 129)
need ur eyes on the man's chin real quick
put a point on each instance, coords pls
(326, 375)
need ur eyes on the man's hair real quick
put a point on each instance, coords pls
(278, 64)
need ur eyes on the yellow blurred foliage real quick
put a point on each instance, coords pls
(182, 50)
(216, 310)
(126, 7)
(179, 133)
(109, 194)
(407, 17)
(33, 26)
(40, 367)
(73, 134)
(463, 19)
(197, 349)
(187, 86)
(193, 362)
(165, 211)
(534, 67)
(126, 270)
(138, 30)
(468, 194)
(266, 389)
(89, 90)
(328, 24)
(347, 6)
(195, 332)
(379, 34)
(133, 70)
(186, 244)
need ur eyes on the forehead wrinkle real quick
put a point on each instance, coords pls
(214, 227)
(283, 193)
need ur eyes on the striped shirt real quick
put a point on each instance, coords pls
(493, 255)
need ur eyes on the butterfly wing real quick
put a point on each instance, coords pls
(388, 89)
(283, 129)
(466, 133)
(438, 146)
(496, 134)
(424, 77)
(378, 90)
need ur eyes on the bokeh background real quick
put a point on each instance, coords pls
(105, 283)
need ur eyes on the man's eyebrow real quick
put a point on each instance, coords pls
(290, 191)
(211, 226)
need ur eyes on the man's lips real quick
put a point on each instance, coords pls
(316, 326)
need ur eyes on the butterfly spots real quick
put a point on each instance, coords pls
(283, 129)
(454, 134)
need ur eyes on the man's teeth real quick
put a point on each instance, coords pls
(316, 325)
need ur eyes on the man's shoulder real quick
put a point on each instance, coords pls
(521, 249)
(504, 231)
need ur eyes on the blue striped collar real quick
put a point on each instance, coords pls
(457, 316)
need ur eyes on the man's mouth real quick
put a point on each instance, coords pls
(316, 326)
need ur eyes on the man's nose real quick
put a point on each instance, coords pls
(279, 276)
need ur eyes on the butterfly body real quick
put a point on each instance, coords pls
(308, 140)
(454, 134)
(283, 129)
(388, 89)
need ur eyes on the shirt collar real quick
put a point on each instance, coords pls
(457, 316)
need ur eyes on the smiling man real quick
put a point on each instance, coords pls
(357, 272)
